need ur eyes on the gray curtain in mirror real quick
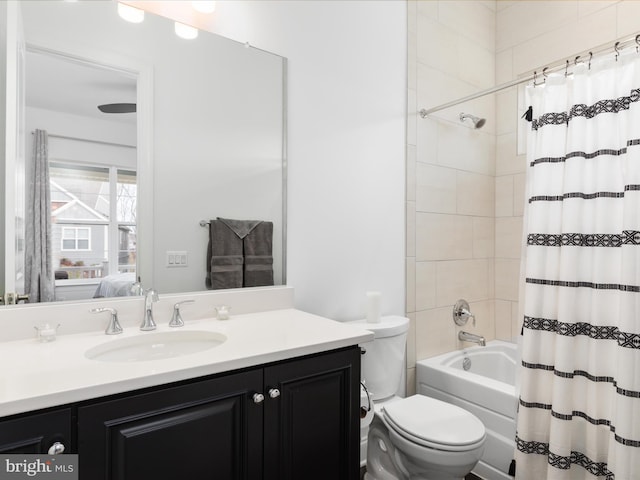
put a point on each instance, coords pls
(39, 278)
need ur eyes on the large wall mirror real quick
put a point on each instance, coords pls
(193, 130)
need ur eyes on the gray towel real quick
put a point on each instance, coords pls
(226, 271)
(239, 254)
(241, 228)
(258, 256)
(224, 257)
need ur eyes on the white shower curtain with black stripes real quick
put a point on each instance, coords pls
(579, 412)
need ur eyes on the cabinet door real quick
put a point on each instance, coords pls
(312, 427)
(36, 433)
(211, 429)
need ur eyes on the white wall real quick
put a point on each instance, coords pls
(347, 104)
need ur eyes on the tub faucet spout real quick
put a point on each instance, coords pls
(470, 337)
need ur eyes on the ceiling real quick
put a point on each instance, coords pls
(64, 85)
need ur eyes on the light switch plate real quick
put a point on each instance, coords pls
(177, 259)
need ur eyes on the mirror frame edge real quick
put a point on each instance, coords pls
(285, 165)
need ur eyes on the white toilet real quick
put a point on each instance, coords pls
(414, 438)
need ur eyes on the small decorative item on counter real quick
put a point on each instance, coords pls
(222, 312)
(46, 333)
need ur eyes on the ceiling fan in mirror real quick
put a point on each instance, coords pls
(117, 108)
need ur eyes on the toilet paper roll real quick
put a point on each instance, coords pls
(373, 307)
(366, 408)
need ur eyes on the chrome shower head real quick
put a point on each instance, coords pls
(477, 121)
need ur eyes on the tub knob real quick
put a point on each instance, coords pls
(462, 313)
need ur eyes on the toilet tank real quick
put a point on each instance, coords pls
(384, 361)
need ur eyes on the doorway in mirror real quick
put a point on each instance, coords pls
(92, 172)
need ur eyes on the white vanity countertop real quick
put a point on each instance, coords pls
(35, 375)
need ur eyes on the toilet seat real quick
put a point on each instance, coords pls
(434, 424)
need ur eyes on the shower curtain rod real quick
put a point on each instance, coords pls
(617, 46)
(65, 137)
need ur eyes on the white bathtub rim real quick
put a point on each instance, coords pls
(440, 363)
(493, 401)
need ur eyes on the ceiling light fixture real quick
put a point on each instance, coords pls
(204, 7)
(185, 31)
(130, 14)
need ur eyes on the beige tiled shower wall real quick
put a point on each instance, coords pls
(465, 187)
(450, 174)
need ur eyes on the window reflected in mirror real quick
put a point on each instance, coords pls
(93, 236)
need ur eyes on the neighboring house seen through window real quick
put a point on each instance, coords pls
(76, 238)
(93, 210)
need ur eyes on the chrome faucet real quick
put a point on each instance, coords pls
(470, 337)
(136, 289)
(150, 296)
(113, 328)
(176, 318)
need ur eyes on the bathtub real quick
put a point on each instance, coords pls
(486, 389)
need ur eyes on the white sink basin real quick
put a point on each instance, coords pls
(155, 346)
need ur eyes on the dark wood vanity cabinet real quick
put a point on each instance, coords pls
(210, 429)
(312, 426)
(296, 419)
(36, 433)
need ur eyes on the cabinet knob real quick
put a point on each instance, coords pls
(274, 393)
(56, 449)
(258, 398)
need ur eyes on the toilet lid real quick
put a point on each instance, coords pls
(429, 421)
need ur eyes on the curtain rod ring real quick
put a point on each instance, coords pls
(615, 47)
(575, 60)
(535, 79)
(566, 69)
(637, 42)
(544, 72)
(590, 57)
